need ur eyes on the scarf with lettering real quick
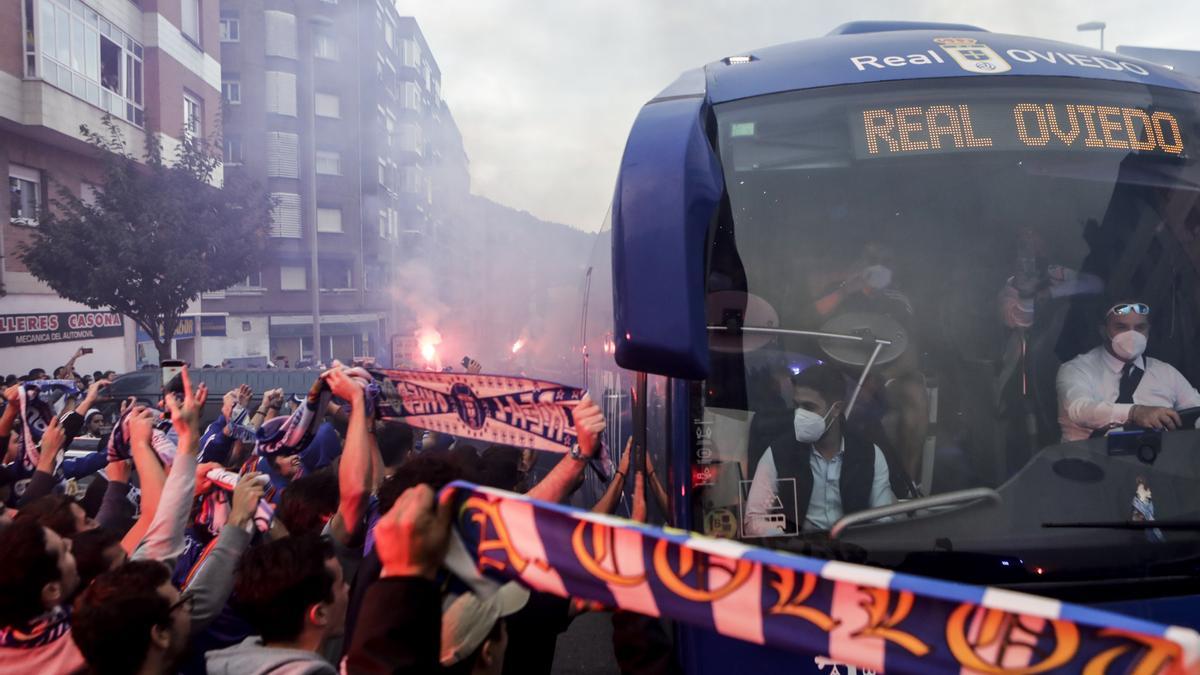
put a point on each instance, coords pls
(41, 631)
(162, 439)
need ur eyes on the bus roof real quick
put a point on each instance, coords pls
(884, 51)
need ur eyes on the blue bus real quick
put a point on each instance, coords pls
(942, 215)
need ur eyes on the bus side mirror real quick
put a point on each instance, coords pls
(669, 189)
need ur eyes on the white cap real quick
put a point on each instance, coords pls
(468, 618)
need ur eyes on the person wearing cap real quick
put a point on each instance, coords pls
(1115, 384)
(474, 636)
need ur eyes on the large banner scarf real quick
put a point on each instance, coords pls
(35, 415)
(867, 617)
(514, 411)
(162, 439)
(296, 431)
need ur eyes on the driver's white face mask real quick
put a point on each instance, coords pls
(1129, 345)
(810, 426)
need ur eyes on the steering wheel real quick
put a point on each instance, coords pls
(1189, 416)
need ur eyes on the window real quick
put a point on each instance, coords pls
(410, 137)
(231, 30)
(383, 224)
(293, 278)
(329, 219)
(329, 163)
(413, 182)
(324, 42)
(328, 105)
(412, 96)
(336, 275)
(233, 150)
(383, 172)
(25, 195)
(389, 34)
(281, 34)
(282, 154)
(190, 19)
(285, 217)
(412, 53)
(251, 285)
(88, 57)
(281, 93)
(231, 91)
(193, 116)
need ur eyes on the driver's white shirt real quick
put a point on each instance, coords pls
(1089, 383)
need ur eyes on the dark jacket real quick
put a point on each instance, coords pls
(858, 471)
(399, 629)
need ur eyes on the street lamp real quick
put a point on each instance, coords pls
(1093, 25)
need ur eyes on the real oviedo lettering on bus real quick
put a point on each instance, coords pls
(976, 57)
(947, 127)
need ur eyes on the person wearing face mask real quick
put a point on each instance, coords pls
(1115, 385)
(835, 472)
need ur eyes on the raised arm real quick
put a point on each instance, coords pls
(164, 536)
(355, 468)
(589, 424)
(608, 502)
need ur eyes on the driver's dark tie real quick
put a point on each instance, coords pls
(1131, 377)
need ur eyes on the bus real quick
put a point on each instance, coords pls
(942, 215)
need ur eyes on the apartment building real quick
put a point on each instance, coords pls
(336, 107)
(154, 65)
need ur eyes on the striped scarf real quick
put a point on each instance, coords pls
(41, 631)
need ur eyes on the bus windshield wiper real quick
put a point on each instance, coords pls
(1131, 525)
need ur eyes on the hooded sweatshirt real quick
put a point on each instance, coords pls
(250, 657)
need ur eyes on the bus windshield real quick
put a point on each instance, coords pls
(922, 288)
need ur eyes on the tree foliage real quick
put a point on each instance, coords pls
(155, 236)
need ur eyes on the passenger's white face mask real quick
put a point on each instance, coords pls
(810, 426)
(1129, 345)
(877, 277)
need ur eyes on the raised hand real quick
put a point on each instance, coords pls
(245, 499)
(589, 424)
(412, 537)
(341, 384)
(185, 414)
(141, 425)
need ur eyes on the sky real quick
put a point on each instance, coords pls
(545, 91)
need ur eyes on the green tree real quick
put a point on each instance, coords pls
(157, 234)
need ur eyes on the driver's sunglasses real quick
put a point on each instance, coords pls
(1130, 308)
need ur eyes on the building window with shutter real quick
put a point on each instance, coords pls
(285, 217)
(281, 93)
(282, 154)
(328, 105)
(329, 163)
(325, 44)
(293, 278)
(280, 34)
(190, 19)
(329, 219)
(24, 195)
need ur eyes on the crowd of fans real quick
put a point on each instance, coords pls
(214, 548)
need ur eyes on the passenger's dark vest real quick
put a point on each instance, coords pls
(858, 472)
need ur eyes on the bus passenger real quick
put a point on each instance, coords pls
(835, 472)
(1113, 384)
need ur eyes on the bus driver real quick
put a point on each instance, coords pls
(835, 472)
(1114, 384)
